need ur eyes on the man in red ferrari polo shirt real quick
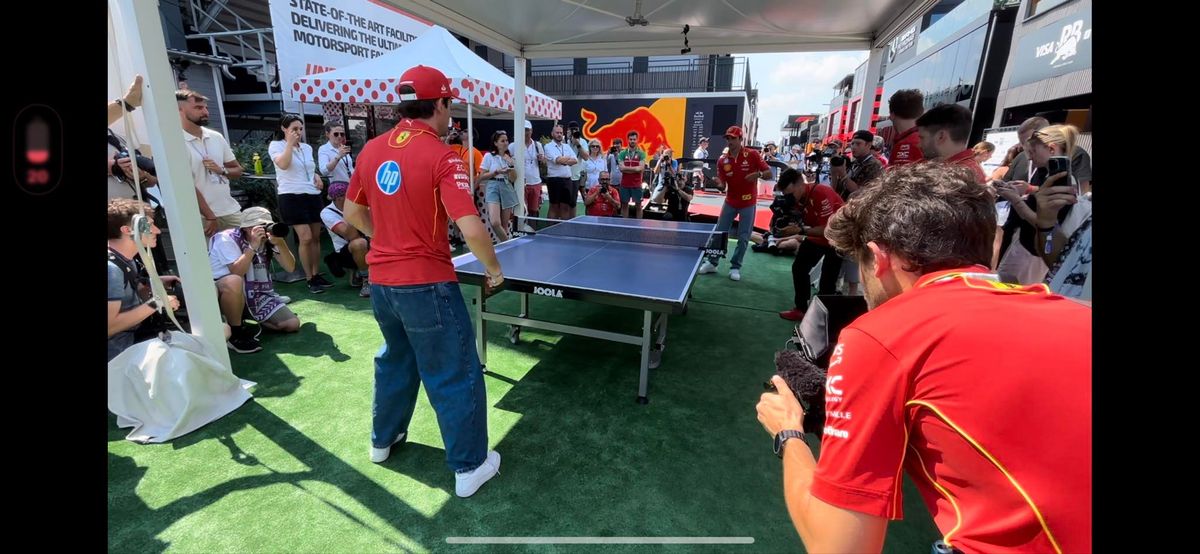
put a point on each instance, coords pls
(995, 430)
(904, 107)
(406, 187)
(815, 203)
(738, 172)
(943, 132)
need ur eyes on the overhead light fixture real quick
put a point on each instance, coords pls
(636, 18)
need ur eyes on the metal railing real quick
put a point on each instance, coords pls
(250, 55)
(702, 75)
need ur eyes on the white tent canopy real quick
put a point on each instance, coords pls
(534, 29)
(488, 89)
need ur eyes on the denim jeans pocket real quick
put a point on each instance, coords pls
(420, 307)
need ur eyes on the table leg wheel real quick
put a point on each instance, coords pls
(643, 400)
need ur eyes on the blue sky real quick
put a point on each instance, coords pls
(796, 84)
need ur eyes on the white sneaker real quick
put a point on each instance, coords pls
(465, 484)
(285, 299)
(378, 455)
(707, 267)
(735, 275)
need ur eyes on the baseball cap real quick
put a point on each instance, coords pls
(256, 215)
(528, 125)
(428, 84)
(864, 135)
(733, 131)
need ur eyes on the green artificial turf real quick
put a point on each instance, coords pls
(288, 471)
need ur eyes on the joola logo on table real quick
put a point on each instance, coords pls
(547, 292)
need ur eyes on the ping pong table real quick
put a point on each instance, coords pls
(632, 263)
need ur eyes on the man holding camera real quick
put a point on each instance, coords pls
(815, 204)
(851, 175)
(130, 303)
(995, 433)
(241, 261)
(601, 200)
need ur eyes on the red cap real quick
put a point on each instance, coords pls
(428, 82)
(734, 131)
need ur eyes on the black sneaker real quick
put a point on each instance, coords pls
(244, 344)
(314, 287)
(321, 281)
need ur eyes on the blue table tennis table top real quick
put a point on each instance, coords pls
(636, 274)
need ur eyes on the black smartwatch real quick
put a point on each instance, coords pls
(783, 436)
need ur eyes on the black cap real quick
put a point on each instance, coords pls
(866, 136)
(573, 125)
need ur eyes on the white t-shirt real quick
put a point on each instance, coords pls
(331, 216)
(298, 177)
(214, 186)
(594, 166)
(222, 251)
(492, 162)
(532, 175)
(344, 168)
(581, 154)
(555, 150)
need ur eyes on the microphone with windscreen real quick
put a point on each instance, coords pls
(807, 382)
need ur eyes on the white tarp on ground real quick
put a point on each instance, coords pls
(167, 391)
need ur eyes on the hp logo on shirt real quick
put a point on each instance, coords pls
(387, 177)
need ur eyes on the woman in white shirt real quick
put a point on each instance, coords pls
(300, 195)
(595, 162)
(499, 172)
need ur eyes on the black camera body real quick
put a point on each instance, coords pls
(144, 164)
(837, 161)
(277, 230)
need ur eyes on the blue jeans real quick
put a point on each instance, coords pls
(745, 219)
(428, 338)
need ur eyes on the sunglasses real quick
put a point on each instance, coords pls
(339, 134)
(605, 180)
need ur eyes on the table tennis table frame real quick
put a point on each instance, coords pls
(654, 330)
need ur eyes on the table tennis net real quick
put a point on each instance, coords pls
(620, 233)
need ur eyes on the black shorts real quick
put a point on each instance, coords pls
(346, 257)
(300, 209)
(562, 190)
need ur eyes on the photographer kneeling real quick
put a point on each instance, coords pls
(241, 262)
(995, 432)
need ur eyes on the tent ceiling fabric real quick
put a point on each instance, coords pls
(583, 28)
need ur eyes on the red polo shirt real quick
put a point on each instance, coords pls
(906, 149)
(966, 158)
(414, 184)
(741, 191)
(994, 429)
(820, 205)
(601, 206)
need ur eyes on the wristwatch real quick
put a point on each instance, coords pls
(783, 436)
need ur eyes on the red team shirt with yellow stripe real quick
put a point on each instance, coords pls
(742, 191)
(414, 184)
(906, 149)
(996, 436)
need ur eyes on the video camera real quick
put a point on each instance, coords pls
(804, 364)
(144, 164)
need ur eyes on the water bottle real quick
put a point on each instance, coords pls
(257, 164)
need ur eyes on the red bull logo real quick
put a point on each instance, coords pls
(650, 130)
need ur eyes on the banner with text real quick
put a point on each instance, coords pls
(317, 36)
